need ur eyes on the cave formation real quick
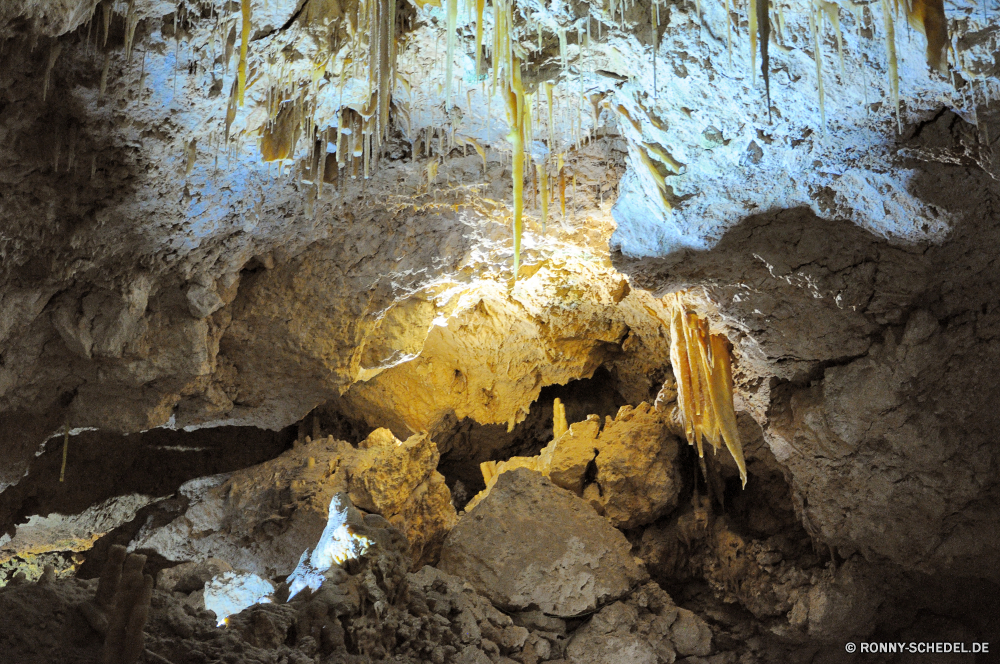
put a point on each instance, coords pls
(638, 331)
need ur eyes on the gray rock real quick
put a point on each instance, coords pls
(530, 544)
(690, 634)
(610, 638)
(188, 577)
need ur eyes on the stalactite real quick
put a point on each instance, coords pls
(890, 48)
(191, 156)
(452, 29)
(928, 17)
(703, 371)
(107, 7)
(729, 35)
(563, 51)
(480, 6)
(819, 64)
(543, 181)
(131, 22)
(832, 10)
(752, 15)
(552, 135)
(764, 25)
(49, 65)
(244, 46)
(514, 96)
(104, 75)
(562, 186)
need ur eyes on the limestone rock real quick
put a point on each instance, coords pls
(262, 518)
(690, 634)
(641, 629)
(189, 577)
(531, 544)
(845, 605)
(636, 479)
(575, 451)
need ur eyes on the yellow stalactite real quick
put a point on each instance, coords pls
(702, 368)
(514, 96)
(928, 17)
(480, 6)
(543, 178)
(890, 49)
(244, 46)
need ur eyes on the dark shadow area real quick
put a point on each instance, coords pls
(101, 465)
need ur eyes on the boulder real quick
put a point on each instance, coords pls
(261, 519)
(533, 545)
(644, 628)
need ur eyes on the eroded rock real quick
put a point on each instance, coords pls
(261, 519)
(531, 544)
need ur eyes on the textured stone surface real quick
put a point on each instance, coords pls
(531, 544)
(263, 518)
(635, 456)
(628, 471)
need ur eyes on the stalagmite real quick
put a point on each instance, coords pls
(559, 423)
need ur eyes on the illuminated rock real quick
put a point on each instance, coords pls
(629, 466)
(263, 518)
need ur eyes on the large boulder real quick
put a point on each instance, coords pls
(262, 518)
(533, 545)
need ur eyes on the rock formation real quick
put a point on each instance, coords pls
(533, 545)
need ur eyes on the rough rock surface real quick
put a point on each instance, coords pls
(628, 471)
(635, 456)
(261, 519)
(533, 545)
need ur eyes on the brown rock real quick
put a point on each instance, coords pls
(531, 544)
